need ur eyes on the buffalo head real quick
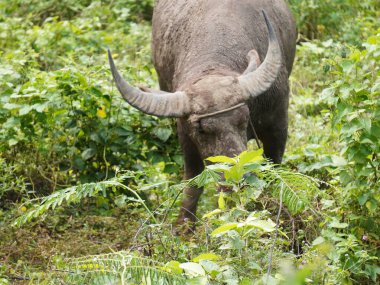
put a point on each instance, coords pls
(211, 108)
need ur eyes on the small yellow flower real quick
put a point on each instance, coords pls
(101, 113)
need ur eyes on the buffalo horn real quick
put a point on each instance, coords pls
(156, 103)
(260, 80)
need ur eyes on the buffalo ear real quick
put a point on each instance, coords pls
(253, 61)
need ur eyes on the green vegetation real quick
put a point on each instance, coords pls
(89, 187)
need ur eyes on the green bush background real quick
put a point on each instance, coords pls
(63, 122)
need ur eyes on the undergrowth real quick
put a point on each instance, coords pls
(67, 137)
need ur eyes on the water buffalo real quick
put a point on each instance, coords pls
(220, 64)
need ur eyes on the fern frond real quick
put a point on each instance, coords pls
(298, 189)
(74, 195)
(122, 265)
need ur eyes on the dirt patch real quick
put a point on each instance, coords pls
(33, 247)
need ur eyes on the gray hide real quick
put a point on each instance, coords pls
(200, 50)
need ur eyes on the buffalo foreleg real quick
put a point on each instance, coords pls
(193, 166)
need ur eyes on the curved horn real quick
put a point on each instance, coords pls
(260, 80)
(154, 103)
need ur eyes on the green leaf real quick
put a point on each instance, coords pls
(371, 205)
(40, 108)
(327, 203)
(207, 176)
(12, 142)
(212, 268)
(121, 200)
(318, 241)
(347, 65)
(11, 106)
(88, 153)
(193, 269)
(270, 280)
(251, 156)
(374, 40)
(224, 228)
(206, 256)
(11, 123)
(197, 281)
(212, 213)
(25, 110)
(363, 199)
(338, 161)
(221, 159)
(173, 266)
(221, 201)
(219, 167)
(337, 225)
(235, 173)
(163, 133)
(266, 226)
(366, 123)
(246, 281)
(328, 92)
(254, 266)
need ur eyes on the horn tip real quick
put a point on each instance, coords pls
(265, 17)
(272, 34)
(264, 14)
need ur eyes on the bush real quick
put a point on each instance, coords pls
(64, 126)
(63, 122)
(346, 21)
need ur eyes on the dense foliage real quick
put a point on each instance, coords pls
(344, 20)
(82, 172)
(58, 109)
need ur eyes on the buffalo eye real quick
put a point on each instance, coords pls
(199, 127)
(204, 126)
(242, 121)
(243, 124)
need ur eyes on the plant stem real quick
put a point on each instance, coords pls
(276, 235)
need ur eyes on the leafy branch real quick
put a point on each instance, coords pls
(123, 265)
(75, 194)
